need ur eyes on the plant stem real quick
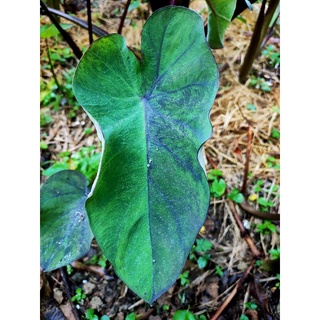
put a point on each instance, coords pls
(262, 215)
(89, 21)
(96, 30)
(77, 52)
(51, 65)
(123, 17)
(260, 31)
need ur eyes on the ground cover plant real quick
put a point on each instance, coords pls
(224, 196)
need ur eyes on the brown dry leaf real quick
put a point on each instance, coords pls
(58, 295)
(66, 308)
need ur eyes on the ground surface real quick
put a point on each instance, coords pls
(242, 115)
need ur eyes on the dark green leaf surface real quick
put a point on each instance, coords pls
(64, 227)
(220, 15)
(151, 196)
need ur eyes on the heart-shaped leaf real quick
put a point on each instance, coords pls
(220, 15)
(64, 228)
(151, 194)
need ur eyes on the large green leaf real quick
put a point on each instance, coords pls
(64, 227)
(151, 195)
(220, 15)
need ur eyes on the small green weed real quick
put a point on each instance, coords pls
(271, 162)
(187, 315)
(79, 296)
(69, 269)
(165, 307)
(266, 227)
(275, 133)
(218, 186)
(236, 196)
(218, 271)
(184, 278)
(91, 316)
(45, 119)
(56, 97)
(198, 252)
(131, 316)
(251, 305)
(86, 160)
(274, 253)
(260, 83)
(272, 56)
(277, 285)
(244, 317)
(98, 260)
(264, 204)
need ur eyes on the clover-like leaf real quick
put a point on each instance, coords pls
(151, 195)
(64, 228)
(220, 15)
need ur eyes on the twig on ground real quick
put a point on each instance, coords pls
(234, 292)
(67, 290)
(246, 167)
(262, 215)
(244, 234)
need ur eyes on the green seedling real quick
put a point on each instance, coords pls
(277, 285)
(79, 296)
(266, 227)
(271, 162)
(274, 253)
(260, 83)
(43, 145)
(264, 204)
(50, 30)
(272, 55)
(69, 269)
(131, 316)
(244, 317)
(187, 315)
(218, 187)
(165, 307)
(275, 133)
(251, 305)
(86, 160)
(91, 316)
(218, 271)
(236, 196)
(45, 119)
(184, 278)
(199, 252)
(213, 174)
(251, 107)
(98, 260)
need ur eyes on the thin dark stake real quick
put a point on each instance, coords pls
(246, 168)
(123, 17)
(51, 65)
(89, 21)
(77, 52)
